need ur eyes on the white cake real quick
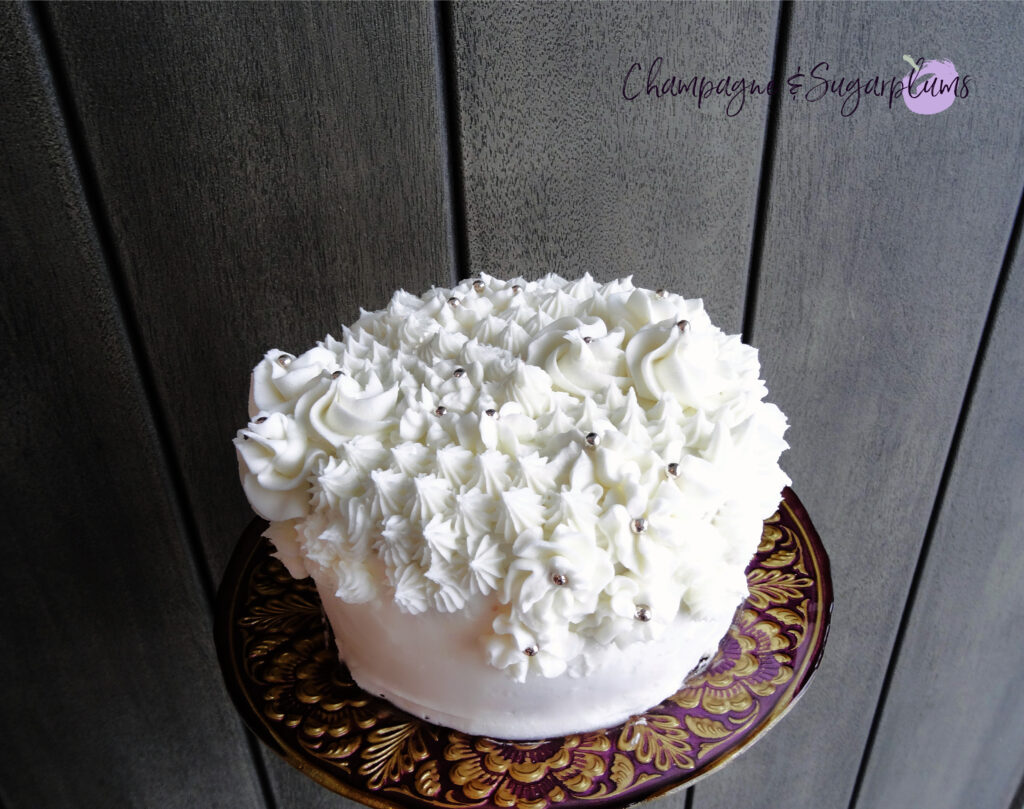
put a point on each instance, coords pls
(527, 506)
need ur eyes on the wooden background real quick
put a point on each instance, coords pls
(185, 186)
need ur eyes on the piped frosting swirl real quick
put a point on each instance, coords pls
(437, 455)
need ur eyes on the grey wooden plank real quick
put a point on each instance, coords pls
(885, 234)
(563, 174)
(952, 727)
(109, 692)
(266, 170)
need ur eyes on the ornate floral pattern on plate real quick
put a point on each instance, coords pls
(282, 670)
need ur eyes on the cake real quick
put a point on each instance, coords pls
(527, 506)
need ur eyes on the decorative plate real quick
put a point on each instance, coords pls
(283, 673)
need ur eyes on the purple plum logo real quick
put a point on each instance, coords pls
(931, 86)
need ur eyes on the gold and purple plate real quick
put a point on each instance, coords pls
(282, 671)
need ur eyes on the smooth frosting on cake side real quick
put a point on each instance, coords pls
(430, 665)
(558, 484)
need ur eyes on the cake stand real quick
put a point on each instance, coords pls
(283, 673)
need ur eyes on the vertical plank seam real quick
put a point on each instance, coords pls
(764, 180)
(688, 802)
(451, 136)
(1017, 801)
(85, 176)
(1009, 256)
(767, 173)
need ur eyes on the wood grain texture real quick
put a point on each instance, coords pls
(885, 235)
(563, 174)
(110, 695)
(266, 170)
(952, 730)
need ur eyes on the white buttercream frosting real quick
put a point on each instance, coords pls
(437, 457)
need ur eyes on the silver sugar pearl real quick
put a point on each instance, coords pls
(683, 326)
(336, 374)
(284, 360)
(459, 372)
(638, 526)
(530, 651)
(261, 419)
(672, 470)
(592, 439)
(479, 285)
(441, 410)
(453, 302)
(587, 339)
(490, 411)
(560, 579)
(702, 665)
(661, 293)
(516, 289)
(643, 613)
